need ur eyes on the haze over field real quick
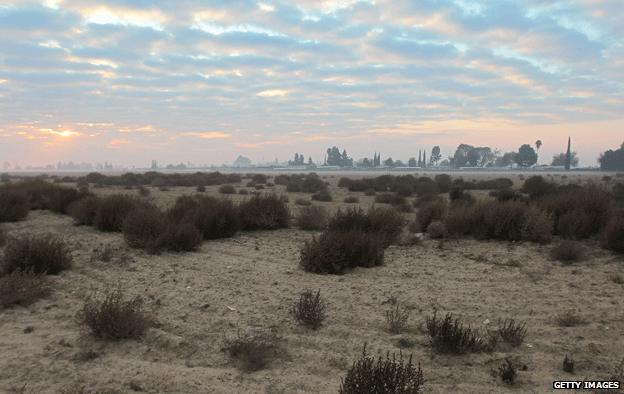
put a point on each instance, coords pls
(131, 81)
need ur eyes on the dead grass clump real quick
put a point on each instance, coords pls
(351, 200)
(215, 218)
(264, 212)
(449, 335)
(40, 255)
(511, 332)
(396, 319)
(14, 205)
(568, 251)
(83, 211)
(143, 228)
(309, 310)
(335, 252)
(570, 318)
(391, 375)
(433, 211)
(436, 230)
(110, 316)
(22, 288)
(614, 233)
(312, 218)
(227, 189)
(112, 211)
(181, 237)
(507, 372)
(253, 352)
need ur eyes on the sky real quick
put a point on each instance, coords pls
(204, 81)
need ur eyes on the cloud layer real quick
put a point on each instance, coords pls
(130, 81)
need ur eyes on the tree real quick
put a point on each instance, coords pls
(411, 162)
(526, 156)
(561, 158)
(419, 158)
(468, 155)
(538, 145)
(435, 155)
(568, 157)
(506, 160)
(242, 161)
(310, 162)
(389, 162)
(612, 160)
(365, 163)
(424, 161)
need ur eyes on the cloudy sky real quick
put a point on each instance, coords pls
(131, 81)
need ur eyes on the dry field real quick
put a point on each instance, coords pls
(246, 285)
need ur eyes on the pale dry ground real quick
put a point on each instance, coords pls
(248, 283)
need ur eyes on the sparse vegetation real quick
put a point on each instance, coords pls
(396, 318)
(322, 195)
(253, 352)
(433, 211)
(568, 251)
(351, 200)
(37, 254)
(568, 364)
(112, 211)
(511, 332)
(14, 204)
(22, 288)
(614, 233)
(84, 210)
(449, 335)
(312, 218)
(110, 316)
(264, 212)
(227, 189)
(436, 230)
(303, 202)
(309, 309)
(144, 227)
(391, 375)
(214, 218)
(570, 318)
(507, 372)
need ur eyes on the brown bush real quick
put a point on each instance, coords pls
(537, 186)
(385, 223)
(264, 212)
(14, 204)
(538, 226)
(110, 316)
(22, 288)
(614, 233)
(436, 230)
(3, 236)
(433, 211)
(449, 335)
(322, 195)
(466, 219)
(309, 310)
(390, 376)
(144, 227)
(511, 332)
(112, 211)
(215, 218)
(227, 189)
(568, 251)
(390, 198)
(396, 319)
(335, 252)
(39, 255)
(181, 237)
(84, 210)
(312, 218)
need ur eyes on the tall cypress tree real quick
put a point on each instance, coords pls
(419, 158)
(568, 158)
(424, 163)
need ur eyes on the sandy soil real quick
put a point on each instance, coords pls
(248, 283)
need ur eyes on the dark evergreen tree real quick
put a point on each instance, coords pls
(568, 160)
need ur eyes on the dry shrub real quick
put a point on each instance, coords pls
(259, 178)
(181, 237)
(215, 218)
(227, 189)
(335, 252)
(570, 318)
(303, 202)
(112, 211)
(506, 195)
(143, 228)
(614, 233)
(507, 372)
(568, 364)
(110, 316)
(458, 195)
(309, 310)
(391, 375)
(312, 218)
(578, 212)
(243, 192)
(511, 332)
(436, 230)
(390, 198)
(396, 318)
(84, 210)
(14, 204)
(568, 251)
(253, 352)
(538, 225)
(322, 195)
(370, 192)
(351, 200)
(462, 219)
(60, 198)
(3, 237)
(449, 335)
(414, 227)
(383, 222)
(22, 288)
(264, 212)
(200, 189)
(143, 191)
(40, 255)
(537, 186)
